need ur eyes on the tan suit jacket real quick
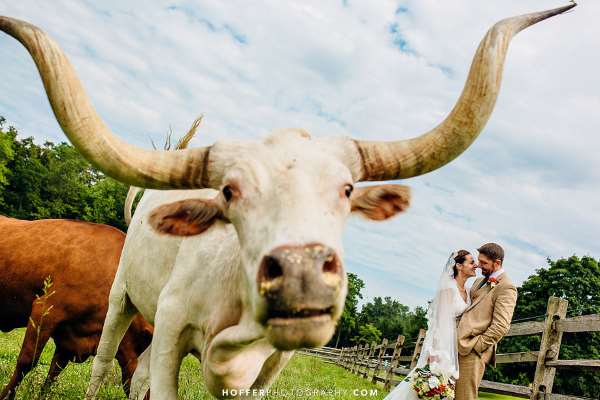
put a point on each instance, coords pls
(487, 319)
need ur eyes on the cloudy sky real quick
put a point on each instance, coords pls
(385, 70)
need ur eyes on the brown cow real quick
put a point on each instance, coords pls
(55, 277)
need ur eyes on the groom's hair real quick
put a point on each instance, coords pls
(492, 251)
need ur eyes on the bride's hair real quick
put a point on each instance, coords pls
(460, 258)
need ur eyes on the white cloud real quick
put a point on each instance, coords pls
(529, 182)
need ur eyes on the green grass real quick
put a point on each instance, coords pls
(71, 383)
(493, 396)
(304, 377)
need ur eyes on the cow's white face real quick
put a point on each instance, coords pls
(288, 199)
(286, 191)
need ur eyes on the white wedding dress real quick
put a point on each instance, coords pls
(440, 345)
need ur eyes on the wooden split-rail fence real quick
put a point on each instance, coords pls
(384, 363)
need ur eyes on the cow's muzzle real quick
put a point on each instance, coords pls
(301, 286)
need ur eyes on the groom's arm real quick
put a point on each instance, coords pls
(503, 312)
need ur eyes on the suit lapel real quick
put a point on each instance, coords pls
(481, 296)
(482, 283)
(476, 286)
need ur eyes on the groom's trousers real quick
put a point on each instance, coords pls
(470, 372)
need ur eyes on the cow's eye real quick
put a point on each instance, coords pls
(227, 192)
(348, 190)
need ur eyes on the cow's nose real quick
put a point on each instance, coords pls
(300, 269)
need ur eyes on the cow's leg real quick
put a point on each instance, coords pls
(140, 383)
(60, 360)
(39, 328)
(119, 316)
(128, 362)
(168, 348)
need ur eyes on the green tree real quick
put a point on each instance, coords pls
(577, 280)
(66, 184)
(367, 334)
(105, 203)
(347, 325)
(393, 318)
(54, 181)
(22, 193)
(415, 321)
(387, 314)
(7, 154)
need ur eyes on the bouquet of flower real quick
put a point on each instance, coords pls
(430, 386)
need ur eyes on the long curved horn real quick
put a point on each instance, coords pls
(88, 133)
(432, 150)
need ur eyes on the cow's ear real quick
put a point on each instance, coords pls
(186, 217)
(381, 201)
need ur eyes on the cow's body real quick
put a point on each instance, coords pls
(80, 259)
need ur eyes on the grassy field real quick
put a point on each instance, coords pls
(304, 377)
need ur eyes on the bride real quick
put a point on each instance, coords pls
(439, 348)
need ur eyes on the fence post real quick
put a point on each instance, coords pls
(347, 357)
(379, 360)
(340, 356)
(549, 348)
(355, 358)
(361, 351)
(365, 355)
(387, 384)
(350, 358)
(361, 356)
(418, 347)
(368, 360)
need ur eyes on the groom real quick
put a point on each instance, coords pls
(485, 321)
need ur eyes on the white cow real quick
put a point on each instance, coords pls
(199, 287)
(250, 267)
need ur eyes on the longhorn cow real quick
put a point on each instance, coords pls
(248, 267)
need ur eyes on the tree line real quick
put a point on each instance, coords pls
(377, 319)
(55, 181)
